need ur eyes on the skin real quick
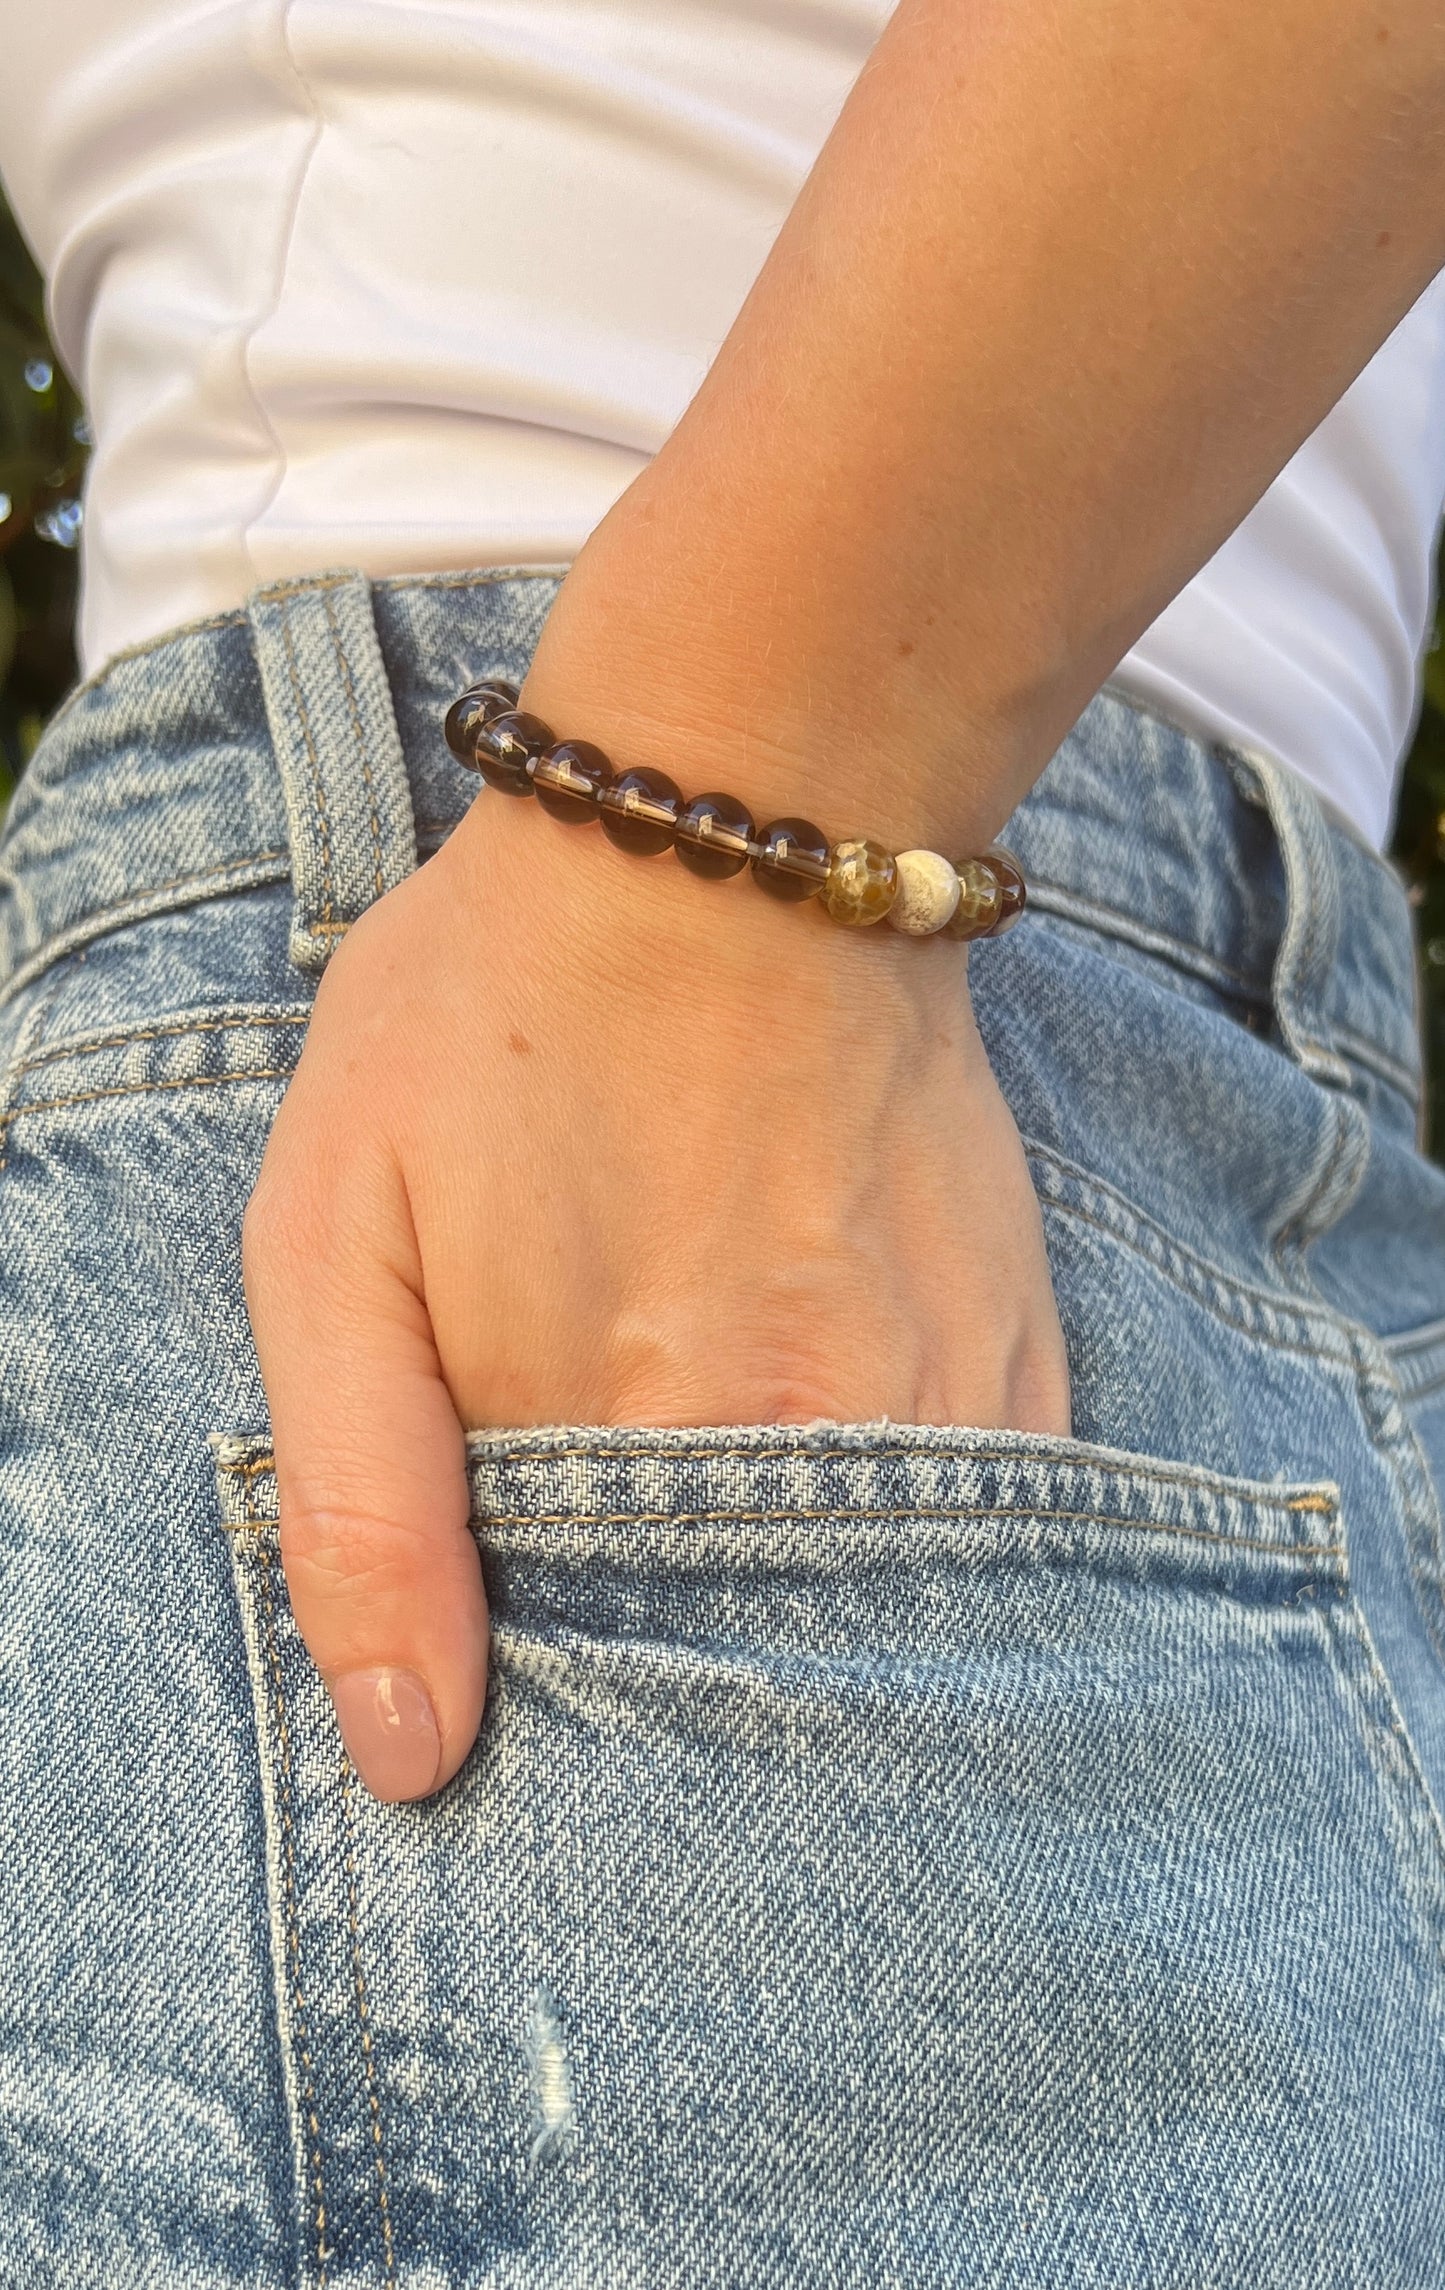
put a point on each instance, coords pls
(576, 1139)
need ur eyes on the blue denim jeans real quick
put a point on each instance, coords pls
(893, 1855)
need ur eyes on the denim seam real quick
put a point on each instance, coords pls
(32, 1031)
(141, 651)
(1099, 920)
(277, 1712)
(398, 584)
(786, 1513)
(363, 2013)
(1417, 1340)
(1352, 1648)
(1415, 1391)
(1299, 1348)
(1386, 1068)
(217, 882)
(1330, 1193)
(239, 1022)
(327, 925)
(148, 1088)
(480, 576)
(899, 1512)
(1393, 1437)
(1319, 1334)
(1315, 1500)
(378, 878)
(1066, 905)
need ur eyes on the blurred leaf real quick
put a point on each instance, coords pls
(42, 466)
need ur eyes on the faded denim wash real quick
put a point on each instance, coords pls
(893, 1856)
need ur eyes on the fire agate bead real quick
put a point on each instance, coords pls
(1013, 890)
(714, 837)
(862, 883)
(980, 901)
(466, 716)
(790, 860)
(928, 894)
(568, 780)
(507, 747)
(638, 810)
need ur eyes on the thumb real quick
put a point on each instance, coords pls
(383, 1572)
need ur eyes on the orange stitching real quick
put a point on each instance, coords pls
(302, 584)
(293, 1936)
(895, 1511)
(146, 1088)
(355, 714)
(488, 576)
(364, 2014)
(1159, 1475)
(87, 1045)
(323, 819)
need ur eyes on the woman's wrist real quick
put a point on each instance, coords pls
(791, 707)
(673, 953)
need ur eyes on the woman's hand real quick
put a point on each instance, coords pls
(576, 1139)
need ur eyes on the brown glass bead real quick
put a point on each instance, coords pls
(476, 707)
(639, 810)
(568, 780)
(791, 859)
(980, 901)
(507, 747)
(714, 837)
(1013, 890)
(862, 883)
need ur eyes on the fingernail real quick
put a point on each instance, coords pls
(390, 1731)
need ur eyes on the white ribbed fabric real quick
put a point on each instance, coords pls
(422, 283)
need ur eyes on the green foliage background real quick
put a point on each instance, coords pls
(42, 460)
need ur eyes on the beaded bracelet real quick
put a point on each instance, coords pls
(643, 811)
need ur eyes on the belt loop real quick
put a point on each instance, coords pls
(1305, 959)
(333, 729)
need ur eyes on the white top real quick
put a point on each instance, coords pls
(422, 283)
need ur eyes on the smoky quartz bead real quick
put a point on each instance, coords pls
(476, 707)
(639, 811)
(790, 860)
(862, 883)
(507, 747)
(568, 780)
(1013, 890)
(714, 837)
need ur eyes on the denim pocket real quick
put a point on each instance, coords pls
(892, 1855)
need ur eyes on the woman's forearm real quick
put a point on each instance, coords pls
(1069, 284)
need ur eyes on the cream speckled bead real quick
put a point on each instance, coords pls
(928, 892)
